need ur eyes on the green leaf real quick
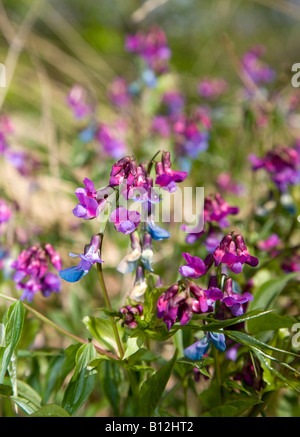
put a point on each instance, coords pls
(270, 322)
(231, 409)
(102, 331)
(109, 374)
(82, 381)
(26, 405)
(51, 410)
(153, 388)
(265, 295)
(134, 344)
(14, 320)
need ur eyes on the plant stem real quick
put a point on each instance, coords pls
(58, 328)
(218, 371)
(109, 307)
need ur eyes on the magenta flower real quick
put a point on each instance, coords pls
(235, 301)
(32, 271)
(282, 164)
(118, 92)
(212, 88)
(166, 177)
(88, 207)
(77, 99)
(233, 252)
(195, 267)
(111, 139)
(255, 68)
(151, 47)
(270, 243)
(217, 210)
(125, 221)
(5, 212)
(130, 315)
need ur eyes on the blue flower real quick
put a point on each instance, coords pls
(196, 351)
(156, 232)
(90, 256)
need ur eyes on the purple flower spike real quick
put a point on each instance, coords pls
(125, 221)
(32, 271)
(88, 207)
(194, 268)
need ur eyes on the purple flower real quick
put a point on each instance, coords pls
(212, 88)
(225, 184)
(111, 138)
(166, 177)
(130, 315)
(195, 267)
(88, 207)
(90, 256)
(161, 125)
(118, 92)
(270, 243)
(125, 221)
(32, 271)
(5, 212)
(256, 69)
(217, 210)
(182, 301)
(235, 301)
(233, 252)
(151, 47)
(77, 99)
(283, 165)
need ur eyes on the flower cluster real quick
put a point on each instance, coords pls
(283, 165)
(255, 68)
(212, 88)
(215, 212)
(32, 271)
(130, 315)
(132, 182)
(184, 298)
(21, 160)
(152, 48)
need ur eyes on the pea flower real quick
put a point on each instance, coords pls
(90, 256)
(182, 301)
(32, 271)
(283, 165)
(166, 177)
(217, 210)
(130, 314)
(235, 301)
(125, 221)
(88, 207)
(77, 99)
(196, 351)
(233, 252)
(195, 267)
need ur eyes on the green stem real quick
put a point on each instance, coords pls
(218, 371)
(109, 307)
(58, 328)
